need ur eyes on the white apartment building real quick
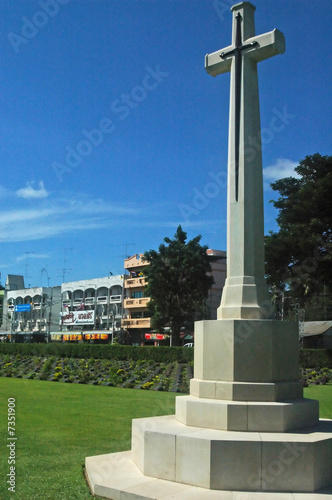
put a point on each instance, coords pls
(92, 307)
(33, 312)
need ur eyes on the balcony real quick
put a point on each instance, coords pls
(136, 323)
(104, 317)
(130, 303)
(102, 299)
(135, 282)
(115, 298)
(89, 300)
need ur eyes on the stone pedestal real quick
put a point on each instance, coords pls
(252, 384)
(247, 431)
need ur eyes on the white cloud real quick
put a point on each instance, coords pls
(282, 168)
(32, 255)
(30, 192)
(21, 215)
(69, 213)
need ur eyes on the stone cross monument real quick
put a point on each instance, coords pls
(245, 431)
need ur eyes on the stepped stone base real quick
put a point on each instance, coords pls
(116, 477)
(170, 460)
(281, 416)
(246, 391)
(244, 433)
(164, 448)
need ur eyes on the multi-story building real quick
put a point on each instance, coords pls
(13, 282)
(92, 309)
(33, 313)
(136, 318)
(2, 297)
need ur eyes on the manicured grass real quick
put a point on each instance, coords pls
(324, 395)
(58, 425)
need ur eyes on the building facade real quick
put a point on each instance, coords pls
(32, 313)
(136, 320)
(2, 298)
(92, 309)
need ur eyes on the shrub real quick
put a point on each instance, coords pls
(147, 385)
(103, 351)
(315, 358)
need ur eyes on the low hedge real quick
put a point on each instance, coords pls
(103, 351)
(316, 358)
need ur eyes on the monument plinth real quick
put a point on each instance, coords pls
(245, 432)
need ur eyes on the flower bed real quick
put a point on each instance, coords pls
(140, 374)
(310, 376)
(147, 375)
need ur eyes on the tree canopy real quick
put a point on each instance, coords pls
(178, 282)
(299, 255)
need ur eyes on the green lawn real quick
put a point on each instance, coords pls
(324, 395)
(58, 425)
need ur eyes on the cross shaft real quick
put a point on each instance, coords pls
(239, 47)
(245, 294)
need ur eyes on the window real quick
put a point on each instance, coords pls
(136, 315)
(136, 295)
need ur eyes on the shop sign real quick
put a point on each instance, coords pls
(77, 318)
(154, 336)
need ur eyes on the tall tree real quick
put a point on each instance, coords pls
(299, 256)
(178, 282)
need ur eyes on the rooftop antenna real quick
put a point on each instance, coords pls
(27, 265)
(65, 269)
(44, 270)
(127, 245)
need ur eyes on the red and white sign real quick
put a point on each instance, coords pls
(77, 318)
(154, 336)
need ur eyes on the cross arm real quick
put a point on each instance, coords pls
(258, 48)
(215, 65)
(267, 45)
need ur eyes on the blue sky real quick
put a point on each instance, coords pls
(112, 133)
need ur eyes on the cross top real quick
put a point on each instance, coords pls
(238, 40)
(245, 44)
